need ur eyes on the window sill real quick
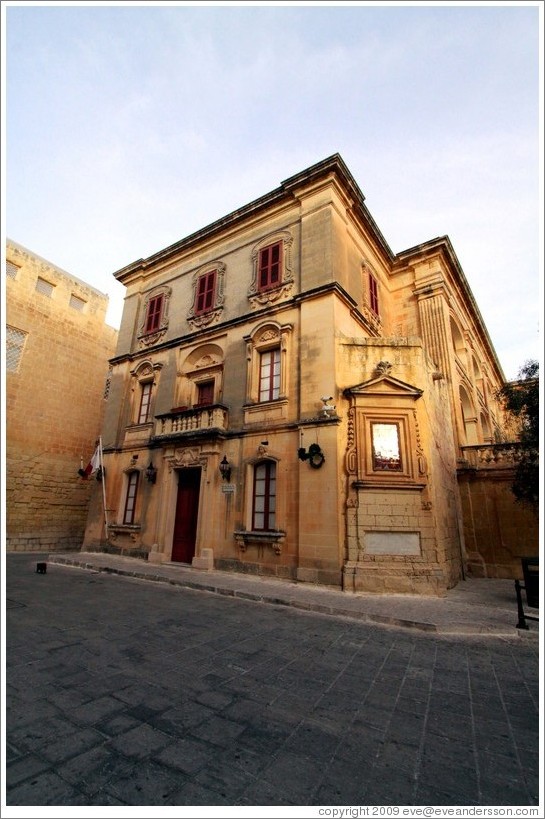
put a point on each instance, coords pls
(266, 412)
(131, 530)
(274, 539)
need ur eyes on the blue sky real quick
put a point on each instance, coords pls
(129, 127)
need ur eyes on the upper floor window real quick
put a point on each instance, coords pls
(130, 498)
(267, 357)
(144, 384)
(108, 383)
(11, 270)
(153, 314)
(155, 321)
(200, 377)
(205, 393)
(272, 274)
(264, 497)
(145, 402)
(44, 287)
(269, 375)
(373, 294)
(205, 294)
(76, 303)
(15, 342)
(270, 260)
(207, 302)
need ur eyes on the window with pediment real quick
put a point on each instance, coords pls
(208, 295)
(272, 274)
(264, 497)
(385, 448)
(267, 356)
(131, 494)
(144, 388)
(154, 323)
(200, 378)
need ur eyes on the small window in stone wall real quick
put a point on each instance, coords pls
(11, 270)
(44, 287)
(15, 342)
(108, 383)
(386, 449)
(76, 303)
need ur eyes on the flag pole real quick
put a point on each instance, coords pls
(103, 486)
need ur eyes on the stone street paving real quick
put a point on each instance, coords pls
(122, 691)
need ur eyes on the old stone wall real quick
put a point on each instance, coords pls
(58, 348)
(498, 530)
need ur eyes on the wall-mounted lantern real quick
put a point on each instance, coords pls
(225, 469)
(151, 473)
(314, 456)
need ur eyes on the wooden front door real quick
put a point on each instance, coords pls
(187, 510)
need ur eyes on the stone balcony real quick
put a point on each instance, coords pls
(489, 456)
(206, 420)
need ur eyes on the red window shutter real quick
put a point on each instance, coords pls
(205, 394)
(264, 268)
(269, 273)
(274, 276)
(206, 292)
(153, 317)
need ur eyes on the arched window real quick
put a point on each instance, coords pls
(469, 417)
(200, 377)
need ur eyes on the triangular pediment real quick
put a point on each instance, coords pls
(384, 385)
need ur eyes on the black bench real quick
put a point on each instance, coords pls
(530, 571)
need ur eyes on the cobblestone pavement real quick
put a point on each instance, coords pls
(125, 692)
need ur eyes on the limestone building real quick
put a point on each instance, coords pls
(56, 362)
(291, 398)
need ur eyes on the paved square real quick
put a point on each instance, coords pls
(126, 692)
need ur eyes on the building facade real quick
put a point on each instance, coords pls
(57, 351)
(290, 398)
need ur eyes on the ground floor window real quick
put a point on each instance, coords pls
(130, 500)
(264, 497)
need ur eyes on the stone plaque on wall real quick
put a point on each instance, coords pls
(392, 543)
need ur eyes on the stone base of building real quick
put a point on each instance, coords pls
(205, 560)
(320, 577)
(110, 549)
(388, 579)
(29, 543)
(244, 567)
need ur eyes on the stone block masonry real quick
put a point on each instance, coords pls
(55, 386)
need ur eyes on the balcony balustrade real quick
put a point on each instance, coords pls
(491, 456)
(191, 420)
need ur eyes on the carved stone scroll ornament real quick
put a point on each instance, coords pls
(351, 459)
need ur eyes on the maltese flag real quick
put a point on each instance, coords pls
(92, 466)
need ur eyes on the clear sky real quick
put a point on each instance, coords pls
(130, 126)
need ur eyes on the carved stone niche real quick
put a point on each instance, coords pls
(384, 446)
